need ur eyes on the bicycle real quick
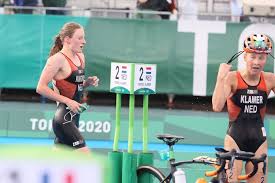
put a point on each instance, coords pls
(222, 156)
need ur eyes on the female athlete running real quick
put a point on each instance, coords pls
(65, 69)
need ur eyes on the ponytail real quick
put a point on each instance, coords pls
(58, 45)
(68, 30)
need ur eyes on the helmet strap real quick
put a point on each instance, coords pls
(236, 55)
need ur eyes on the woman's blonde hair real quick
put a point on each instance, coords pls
(68, 29)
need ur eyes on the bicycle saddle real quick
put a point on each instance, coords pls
(169, 139)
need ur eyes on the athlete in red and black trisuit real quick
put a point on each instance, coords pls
(65, 69)
(65, 122)
(246, 108)
(245, 93)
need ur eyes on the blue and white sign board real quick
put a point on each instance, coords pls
(145, 79)
(130, 78)
(121, 78)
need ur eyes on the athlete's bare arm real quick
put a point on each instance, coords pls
(223, 88)
(54, 66)
(91, 80)
(270, 81)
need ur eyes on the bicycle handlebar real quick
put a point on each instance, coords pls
(239, 155)
(255, 162)
(224, 155)
(217, 171)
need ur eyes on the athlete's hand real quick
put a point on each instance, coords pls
(224, 69)
(91, 81)
(73, 106)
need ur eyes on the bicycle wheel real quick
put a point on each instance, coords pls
(155, 174)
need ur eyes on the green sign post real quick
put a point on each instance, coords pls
(132, 79)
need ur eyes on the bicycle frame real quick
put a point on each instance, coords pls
(222, 156)
(173, 167)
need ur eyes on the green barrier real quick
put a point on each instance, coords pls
(129, 167)
(145, 159)
(115, 163)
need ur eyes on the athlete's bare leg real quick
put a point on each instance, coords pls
(229, 144)
(84, 150)
(259, 176)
